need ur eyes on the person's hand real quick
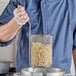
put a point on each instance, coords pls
(21, 17)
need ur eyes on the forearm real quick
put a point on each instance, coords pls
(74, 57)
(9, 30)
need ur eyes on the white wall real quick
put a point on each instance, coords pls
(3, 4)
(9, 52)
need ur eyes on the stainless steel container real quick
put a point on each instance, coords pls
(4, 66)
(42, 72)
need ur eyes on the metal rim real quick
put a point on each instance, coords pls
(4, 61)
(41, 70)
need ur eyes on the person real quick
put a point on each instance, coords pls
(53, 17)
(74, 57)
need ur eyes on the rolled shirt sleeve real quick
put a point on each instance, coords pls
(6, 43)
(72, 13)
(74, 27)
(74, 39)
(6, 16)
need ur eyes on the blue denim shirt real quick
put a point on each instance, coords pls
(55, 17)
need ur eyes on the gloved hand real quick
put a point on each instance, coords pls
(21, 17)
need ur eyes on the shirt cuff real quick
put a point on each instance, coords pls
(74, 44)
(6, 43)
(74, 47)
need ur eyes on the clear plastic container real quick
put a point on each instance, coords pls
(41, 51)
